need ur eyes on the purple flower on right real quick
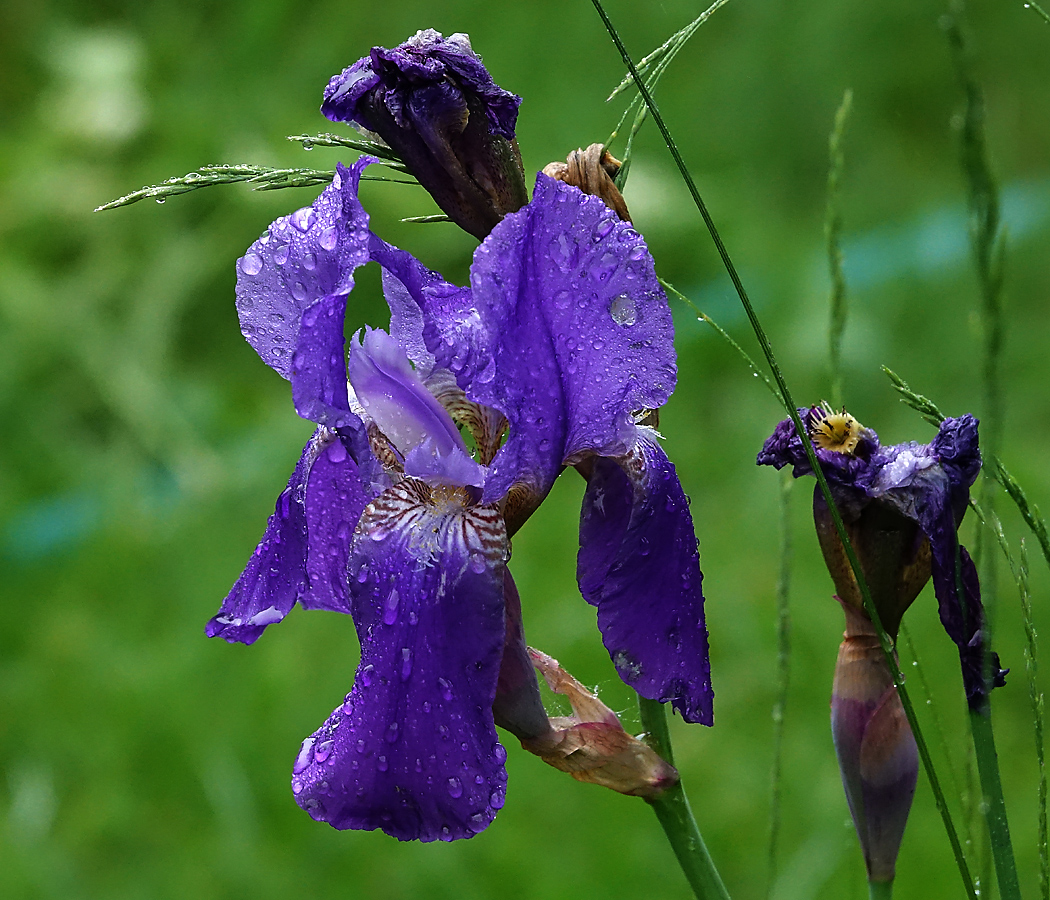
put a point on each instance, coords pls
(901, 505)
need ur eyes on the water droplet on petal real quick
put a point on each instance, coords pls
(455, 787)
(305, 757)
(329, 238)
(392, 731)
(477, 823)
(323, 750)
(406, 664)
(496, 800)
(251, 264)
(280, 254)
(303, 218)
(366, 676)
(390, 607)
(381, 763)
(478, 564)
(446, 688)
(623, 310)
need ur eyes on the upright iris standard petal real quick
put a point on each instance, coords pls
(565, 330)
(291, 293)
(436, 105)
(413, 750)
(638, 563)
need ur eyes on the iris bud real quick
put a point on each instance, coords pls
(874, 744)
(434, 103)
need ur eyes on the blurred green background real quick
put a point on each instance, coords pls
(143, 442)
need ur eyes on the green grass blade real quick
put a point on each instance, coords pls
(783, 673)
(1031, 4)
(767, 352)
(833, 240)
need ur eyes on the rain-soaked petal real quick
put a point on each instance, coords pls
(638, 563)
(335, 497)
(275, 576)
(565, 330)
(413, 750)
(302, 259)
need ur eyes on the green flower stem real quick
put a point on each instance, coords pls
(880, 890)
(676, 818)
(767, 351)
(991, 787)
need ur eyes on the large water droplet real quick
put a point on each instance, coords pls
(381, 763)
(603, 228)
(392, 731)
(406, 664)
(623, 310)
(251, 264)
(280, 254)
(323, 750)
(299, 291)
(305, 757)
(309, 261)
(303, 218)
(329, 238)
(478, 563)
(455, 787)
(496, 800)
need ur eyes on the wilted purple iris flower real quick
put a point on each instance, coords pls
(550, 358)
(881, 492)
(434, 103)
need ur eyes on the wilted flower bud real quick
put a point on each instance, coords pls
(874, 744)
(593, 171)
(434, 103)
(591, 744)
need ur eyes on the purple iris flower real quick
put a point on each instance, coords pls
(550, 358)
(434, 103)
(877, 488)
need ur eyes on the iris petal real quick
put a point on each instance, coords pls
(413, 750)
(302, 259)
(638, 563)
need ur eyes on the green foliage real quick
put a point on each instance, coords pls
(143, 443)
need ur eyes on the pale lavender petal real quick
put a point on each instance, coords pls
(413, 749)
(638, 563)
(302, 259)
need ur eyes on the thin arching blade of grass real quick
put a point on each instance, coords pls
(931, 707)
(371, 148)
(668, 49)
(789, 405)
(653, 66)
(1019, 570)
(833, 240)
(261, 178)
(1036, 698)
(678, 295)
(1031, 4)
(929, 411)
(783, 595)
(980, 720)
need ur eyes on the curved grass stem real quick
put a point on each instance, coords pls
(767, 352)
